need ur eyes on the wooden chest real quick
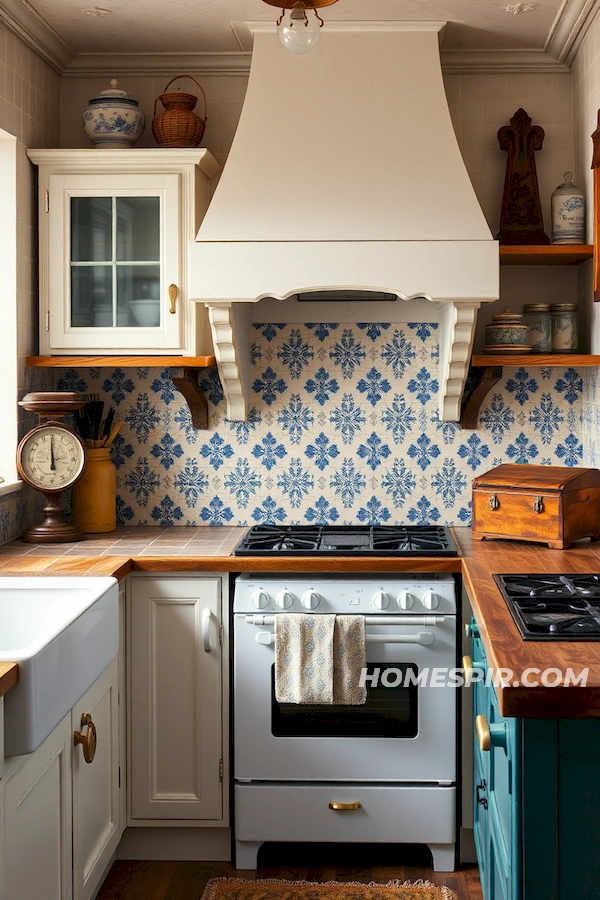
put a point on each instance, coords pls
(555, 505)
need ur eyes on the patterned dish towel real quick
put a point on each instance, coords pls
(319, 659)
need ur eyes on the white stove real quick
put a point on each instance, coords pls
(381, 772)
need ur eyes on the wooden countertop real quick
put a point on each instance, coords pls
(9, 675)
(181, 549)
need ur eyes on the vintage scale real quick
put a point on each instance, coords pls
(51, 458)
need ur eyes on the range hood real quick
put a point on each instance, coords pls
(345, 175)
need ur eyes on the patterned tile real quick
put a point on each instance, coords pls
(343, 428)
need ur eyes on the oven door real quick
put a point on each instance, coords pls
(405, 732)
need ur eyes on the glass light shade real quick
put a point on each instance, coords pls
(299, 33)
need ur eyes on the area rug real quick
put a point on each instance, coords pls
(270, 889)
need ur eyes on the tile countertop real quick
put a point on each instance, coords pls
(182, 549)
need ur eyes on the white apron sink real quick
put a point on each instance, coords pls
(63, 632)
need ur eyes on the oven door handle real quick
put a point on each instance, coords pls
(424, 638)
(429, 621)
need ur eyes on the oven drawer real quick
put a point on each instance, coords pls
(387, 813)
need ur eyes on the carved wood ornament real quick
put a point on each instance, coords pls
(521, 220)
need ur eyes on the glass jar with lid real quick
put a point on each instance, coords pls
(564, 327)
(538, 319)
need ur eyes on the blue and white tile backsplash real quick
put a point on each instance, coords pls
(343, 428)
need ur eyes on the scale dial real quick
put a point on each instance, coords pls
(51, 458)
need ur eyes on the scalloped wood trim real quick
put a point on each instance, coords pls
(457, 329)
(230, 327)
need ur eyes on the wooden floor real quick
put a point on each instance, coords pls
(135, 880)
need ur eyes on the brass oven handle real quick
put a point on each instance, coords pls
(172, 298)
(342, 807)
(538, 505)
(88, 740)
(483, 733)
(494, 502)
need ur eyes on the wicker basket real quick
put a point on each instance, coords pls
(178, 125)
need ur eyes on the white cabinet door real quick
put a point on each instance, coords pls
(96, 789)
(114, 256)
(37, 829)
(175, 699)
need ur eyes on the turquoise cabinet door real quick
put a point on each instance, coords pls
(496, 790)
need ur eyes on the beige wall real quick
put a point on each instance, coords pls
(29, 110)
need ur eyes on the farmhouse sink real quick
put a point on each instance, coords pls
(63, 632)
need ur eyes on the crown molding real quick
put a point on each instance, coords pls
(569, 29)
(88, 64)
(455, 62)
(469, 62)
(22, 19)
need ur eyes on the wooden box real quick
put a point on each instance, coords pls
(555, 505)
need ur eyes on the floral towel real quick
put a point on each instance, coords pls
(318, 659)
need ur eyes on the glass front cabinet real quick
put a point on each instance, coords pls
(114, 231)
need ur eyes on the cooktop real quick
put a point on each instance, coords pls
(345, 540)
(553, 607)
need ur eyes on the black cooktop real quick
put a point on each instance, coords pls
(346, 540)
(553, 607)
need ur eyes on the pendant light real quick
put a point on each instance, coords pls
(298, 29)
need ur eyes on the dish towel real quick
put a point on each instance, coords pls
(319, 659)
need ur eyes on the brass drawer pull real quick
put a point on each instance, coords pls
(344, 807)
(88, 740)
(172, 298)
(494, 502)
(538, 505)
(483, 733)
(469, 667)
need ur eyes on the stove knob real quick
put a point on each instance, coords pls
(260, 599)
(406, 600)
(310, 600)
(430, 600)
(284, 600)
(381, 600)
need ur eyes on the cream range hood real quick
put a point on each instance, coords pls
(345, 175)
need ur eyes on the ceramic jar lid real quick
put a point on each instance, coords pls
(113, 93)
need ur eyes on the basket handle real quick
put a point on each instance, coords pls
(175, 79)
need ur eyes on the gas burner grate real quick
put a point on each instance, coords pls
(553, 607)
(357, 540)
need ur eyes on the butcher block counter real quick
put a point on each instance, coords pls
(9, 675)
(181, 549)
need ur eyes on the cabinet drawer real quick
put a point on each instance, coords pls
(387, 813)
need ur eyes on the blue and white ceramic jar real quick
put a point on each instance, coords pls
(113, 119)
(568, 213)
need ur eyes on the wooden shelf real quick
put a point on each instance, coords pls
(547, 255)
(185, 373)
(490, 372)
(485, 360)
(125, 362)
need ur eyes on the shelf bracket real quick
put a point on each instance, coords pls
(186, 379)
(488, 376)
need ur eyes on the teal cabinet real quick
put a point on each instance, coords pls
(536, 800)
(496, 818)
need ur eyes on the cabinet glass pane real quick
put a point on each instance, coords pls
(138, 296)
(138, 229)
(91, 296)
(91, 229)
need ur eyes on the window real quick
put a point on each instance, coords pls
(8, 305)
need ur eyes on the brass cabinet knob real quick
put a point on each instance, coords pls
(172, 298)
(88, 740)
(344, 807)
(483, 733)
